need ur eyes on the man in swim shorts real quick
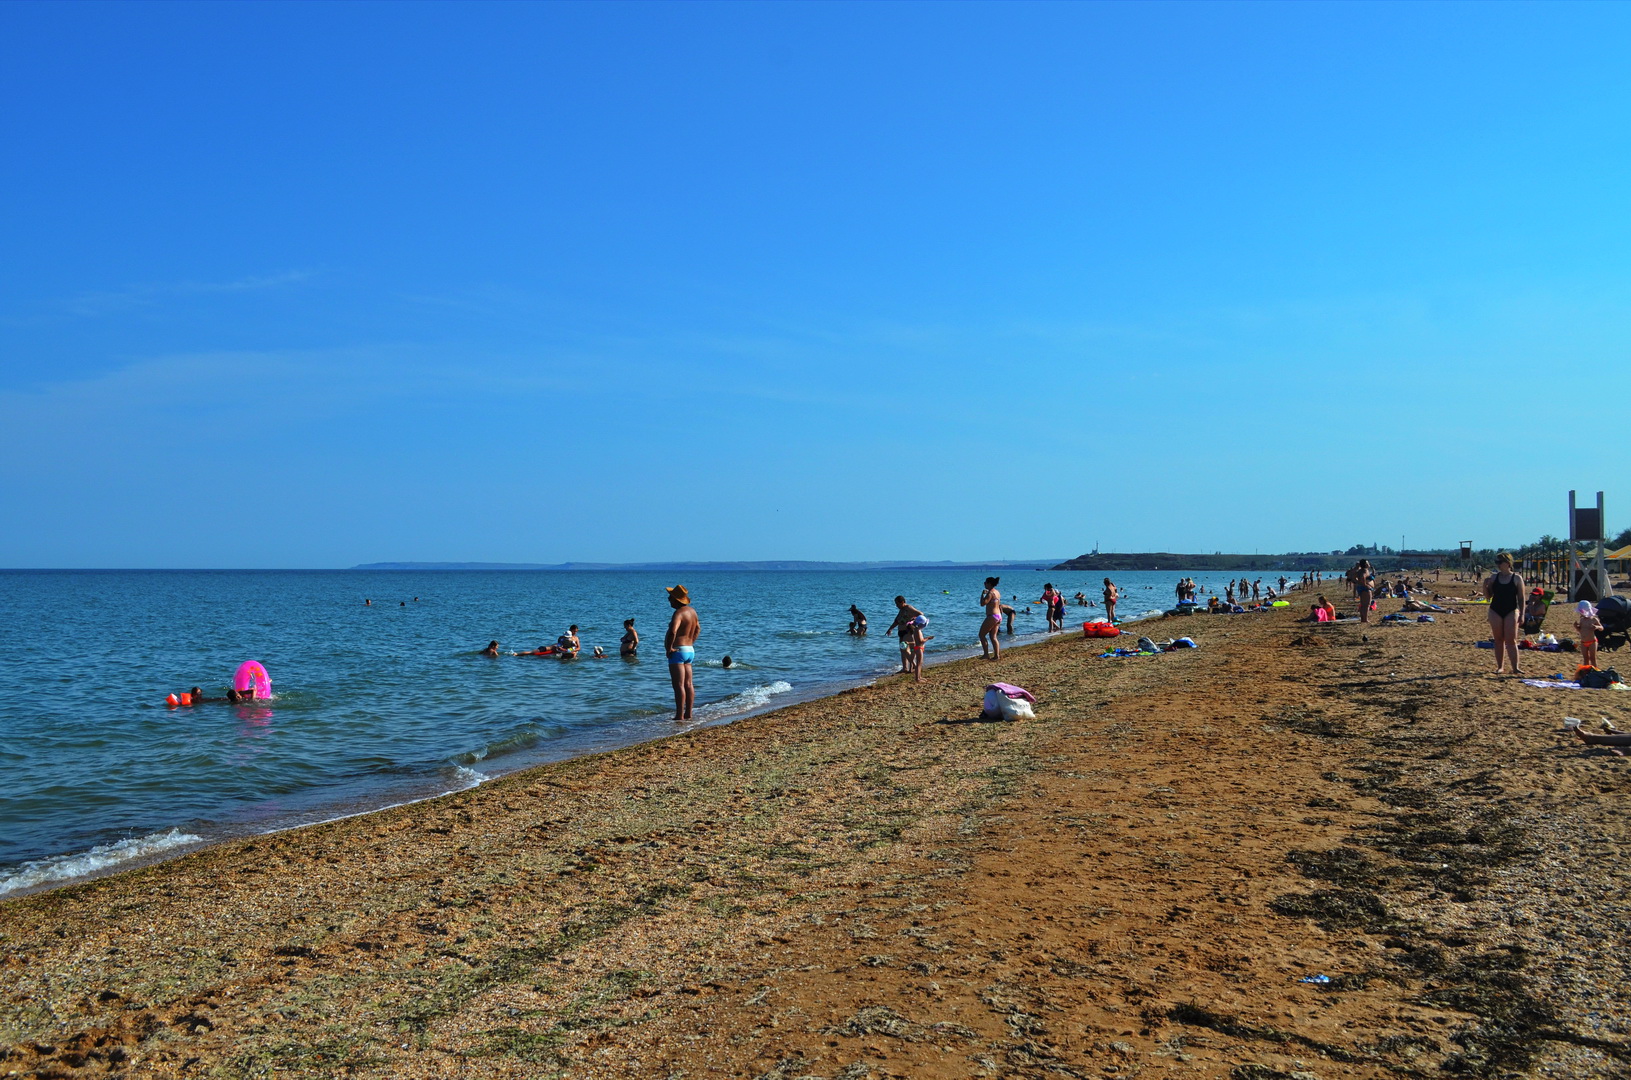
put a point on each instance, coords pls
(680, 645)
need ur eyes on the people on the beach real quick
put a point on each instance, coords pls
(1504, 590)
(857, 621)
(1111, 595)
(1054, 604)
(991, 600)
(1586, 625)
(906, 620)
(491, 649)
(912, 640)
(679, 643)
(1611, 737)
(1008, 613)
(630, 645)
(1363, 581)
(1534, 611)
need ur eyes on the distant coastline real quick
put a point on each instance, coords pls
(780, 565)
(1294, 560)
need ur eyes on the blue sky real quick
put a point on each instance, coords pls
(312, 285)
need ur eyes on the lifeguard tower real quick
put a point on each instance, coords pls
(1588, 576)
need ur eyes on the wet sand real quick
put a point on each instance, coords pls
(880, 884)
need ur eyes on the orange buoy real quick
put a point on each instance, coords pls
(172, 701)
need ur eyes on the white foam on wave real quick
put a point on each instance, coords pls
(102, 857)
(468, 778)
(748, 699)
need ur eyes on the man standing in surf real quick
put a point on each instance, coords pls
(680, 645)
(992, 599)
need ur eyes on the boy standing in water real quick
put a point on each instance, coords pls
(991, 599)
(680, 645)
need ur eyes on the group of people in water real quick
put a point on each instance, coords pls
(679, 647)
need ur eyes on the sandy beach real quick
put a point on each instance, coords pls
(879, 884)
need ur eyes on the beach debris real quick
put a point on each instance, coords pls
(1317, 980)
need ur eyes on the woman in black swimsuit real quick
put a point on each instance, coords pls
(1505, 591)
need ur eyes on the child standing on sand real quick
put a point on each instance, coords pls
(1586, 625)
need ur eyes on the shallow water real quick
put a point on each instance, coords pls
(384, 703)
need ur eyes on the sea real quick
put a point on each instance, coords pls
(386, 702)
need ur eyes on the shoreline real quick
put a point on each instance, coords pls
(179, 840)
(878, 883)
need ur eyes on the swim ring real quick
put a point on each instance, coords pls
(251, 676)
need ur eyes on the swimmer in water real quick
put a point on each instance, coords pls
(491, 649)
(568, 642)
(630, 645)
(198, 698)
(727, 662)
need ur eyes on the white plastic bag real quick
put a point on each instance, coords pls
(999, 705)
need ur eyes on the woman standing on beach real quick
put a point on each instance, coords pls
(1111, 595)
(1363, 583)
(991, 600)
(1505, 591)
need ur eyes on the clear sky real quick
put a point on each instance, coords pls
(311, 285)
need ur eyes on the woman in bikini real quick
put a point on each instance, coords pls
(1505, 591)
(991, 600)
(1364, 582)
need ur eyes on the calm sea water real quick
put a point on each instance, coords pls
(385, 703)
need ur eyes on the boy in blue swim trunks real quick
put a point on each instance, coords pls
(680, 645)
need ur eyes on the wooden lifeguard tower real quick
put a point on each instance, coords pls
(1588, 576)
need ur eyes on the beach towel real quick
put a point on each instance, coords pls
(1551, 684)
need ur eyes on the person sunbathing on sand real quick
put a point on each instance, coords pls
(1612, 737)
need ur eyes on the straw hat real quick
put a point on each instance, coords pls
(678, 595)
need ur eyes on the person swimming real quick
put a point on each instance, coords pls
(491, 649)
(727, 662)
(568, 644)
